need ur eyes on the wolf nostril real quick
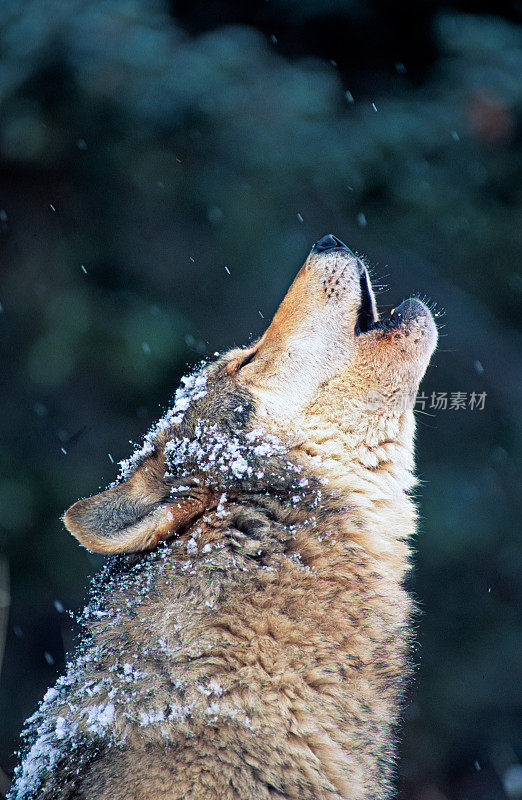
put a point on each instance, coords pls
(329, 242)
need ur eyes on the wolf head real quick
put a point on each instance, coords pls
(329, 383)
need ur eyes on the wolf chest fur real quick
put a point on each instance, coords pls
(248, 636)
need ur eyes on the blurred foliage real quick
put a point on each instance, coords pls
(165, 170)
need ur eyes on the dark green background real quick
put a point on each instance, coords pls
(156, 145)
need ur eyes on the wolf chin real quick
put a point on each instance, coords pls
(248, 636)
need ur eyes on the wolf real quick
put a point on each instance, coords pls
(248, 637)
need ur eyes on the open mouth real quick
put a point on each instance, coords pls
(366, 318)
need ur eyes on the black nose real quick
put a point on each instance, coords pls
(329, 242)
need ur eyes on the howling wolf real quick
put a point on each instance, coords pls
(248, 637)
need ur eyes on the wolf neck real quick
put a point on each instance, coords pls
(371, 465)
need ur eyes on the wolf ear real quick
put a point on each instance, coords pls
(126, 520)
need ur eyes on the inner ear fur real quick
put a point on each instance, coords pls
(126, 520)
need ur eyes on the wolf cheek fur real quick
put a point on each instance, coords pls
(249, 639)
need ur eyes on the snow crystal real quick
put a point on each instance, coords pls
(239, 466)
(61, 729)
(215, 709)
(50, 695)
(264, 449)
(150, 717)
(91, 689)
(215, 687)
(180, 713)
(99, 717)
(269, 445)
(220, 510)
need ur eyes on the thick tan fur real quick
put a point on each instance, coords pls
(254, 643)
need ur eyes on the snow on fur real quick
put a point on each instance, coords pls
(192, 388)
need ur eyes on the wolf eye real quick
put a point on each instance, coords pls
(240, 361)
(247, 360)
